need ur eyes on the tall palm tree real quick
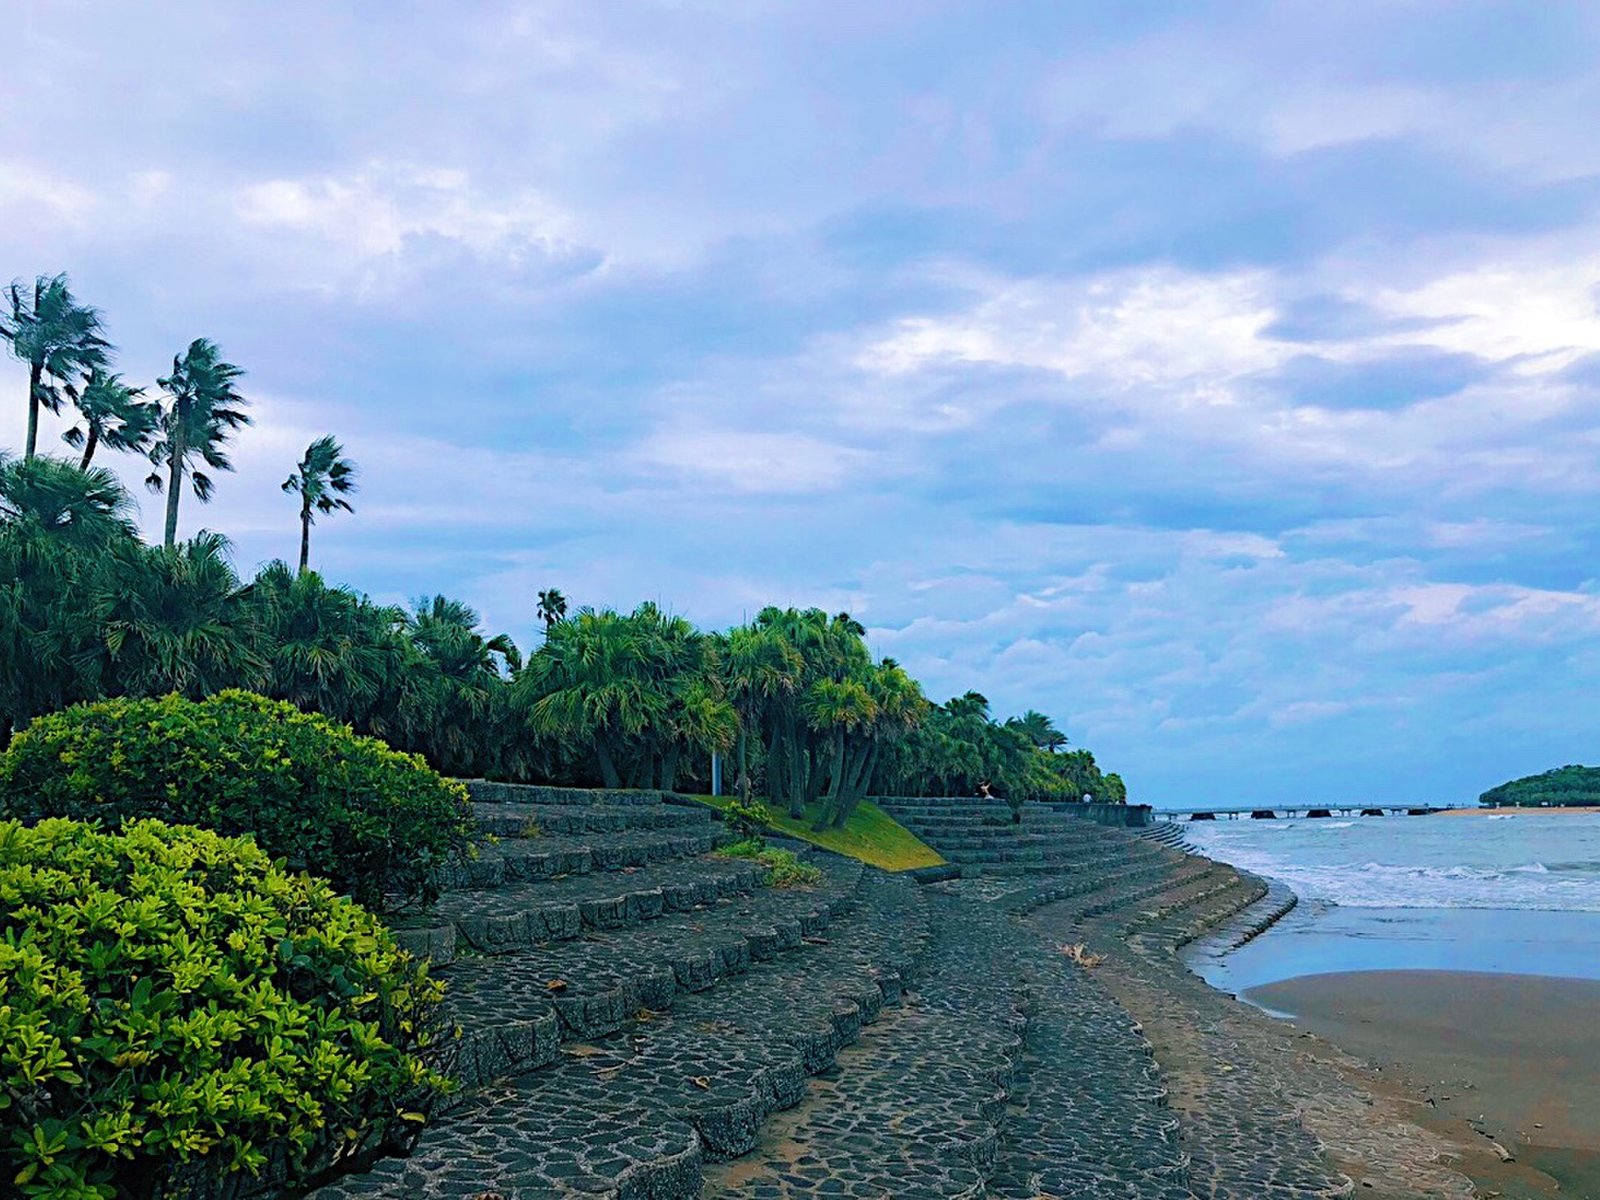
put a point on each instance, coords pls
(322, 480)
(761, 669)
(57, 337)
(837, 709)
(114, 415)
(552, 607)
(203, 407)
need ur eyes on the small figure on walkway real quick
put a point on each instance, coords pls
(985, 790)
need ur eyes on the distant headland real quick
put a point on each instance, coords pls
(1561, 787)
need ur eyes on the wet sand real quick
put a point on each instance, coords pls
(1506, 1059)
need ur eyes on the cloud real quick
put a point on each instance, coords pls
(1220, 379)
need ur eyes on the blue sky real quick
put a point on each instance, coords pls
(1222, 379)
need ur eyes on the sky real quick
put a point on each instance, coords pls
(1222, 379)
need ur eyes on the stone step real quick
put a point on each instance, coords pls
(1040, 851)
(514, 1010)
(947, 819)
(534, 820)
(632, 1116)
(488, 791)
(518, 915)
(1121, 898)
(1086, 864)
(1088, 1115)
(1012, 837)
(1086, 884)
(1215, 912)
(1194, 893)
(915, 1107)
(519, 860)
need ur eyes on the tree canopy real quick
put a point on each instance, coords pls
(812, 721)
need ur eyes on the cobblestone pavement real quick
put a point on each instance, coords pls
(1262, 1115)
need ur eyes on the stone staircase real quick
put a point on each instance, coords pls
(642, 1020)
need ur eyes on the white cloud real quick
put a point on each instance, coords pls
(373, 213)
(754, 463)
(32, 197)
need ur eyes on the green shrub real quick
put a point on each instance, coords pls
(747, 819)
(373, 821)
(787, 870)
(181, 1017)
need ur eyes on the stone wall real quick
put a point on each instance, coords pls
(489, 791)
(1118, 816)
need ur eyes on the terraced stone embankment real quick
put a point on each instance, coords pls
(631, 1006)
(1261, 1114)
(641, 1019)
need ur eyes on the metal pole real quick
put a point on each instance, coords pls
(716, 774)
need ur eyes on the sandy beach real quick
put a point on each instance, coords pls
(1512, 1059)
(1499, 812)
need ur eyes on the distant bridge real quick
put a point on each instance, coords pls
(1312, 811)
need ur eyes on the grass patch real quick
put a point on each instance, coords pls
(870, 834)
(787, 870)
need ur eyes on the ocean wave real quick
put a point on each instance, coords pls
(1532, 886)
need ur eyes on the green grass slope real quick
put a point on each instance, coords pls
(870, 834)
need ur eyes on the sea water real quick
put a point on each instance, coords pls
(1514, 892)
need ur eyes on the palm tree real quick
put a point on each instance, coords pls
(552, 607)
(837, 709)
(322, 479)
(57, 337)
(594, 683)
(328, 649)
(114, 415)
(175, 620)
(84, 507)
(1038, 729)
(203, 408)
(458, 680)
(761, 669)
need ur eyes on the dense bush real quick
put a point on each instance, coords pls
(748, 820)
(180, 1017)
(373, 821)
(786, 869)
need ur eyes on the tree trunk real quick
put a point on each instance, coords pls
(608, 765)
(174, 483)
(858, 784)
(35, 371)
(828, 806)
(305, 534)
(89, 444)
(797, 772)
(813, 790)
(669, 769)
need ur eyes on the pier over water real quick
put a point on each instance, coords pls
(1309, 811)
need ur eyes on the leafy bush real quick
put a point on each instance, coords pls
(787, 870)
(747, 819)
(373, 821)
(179, 1016)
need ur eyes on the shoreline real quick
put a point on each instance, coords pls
(1485, 1059)
(1515, 810)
